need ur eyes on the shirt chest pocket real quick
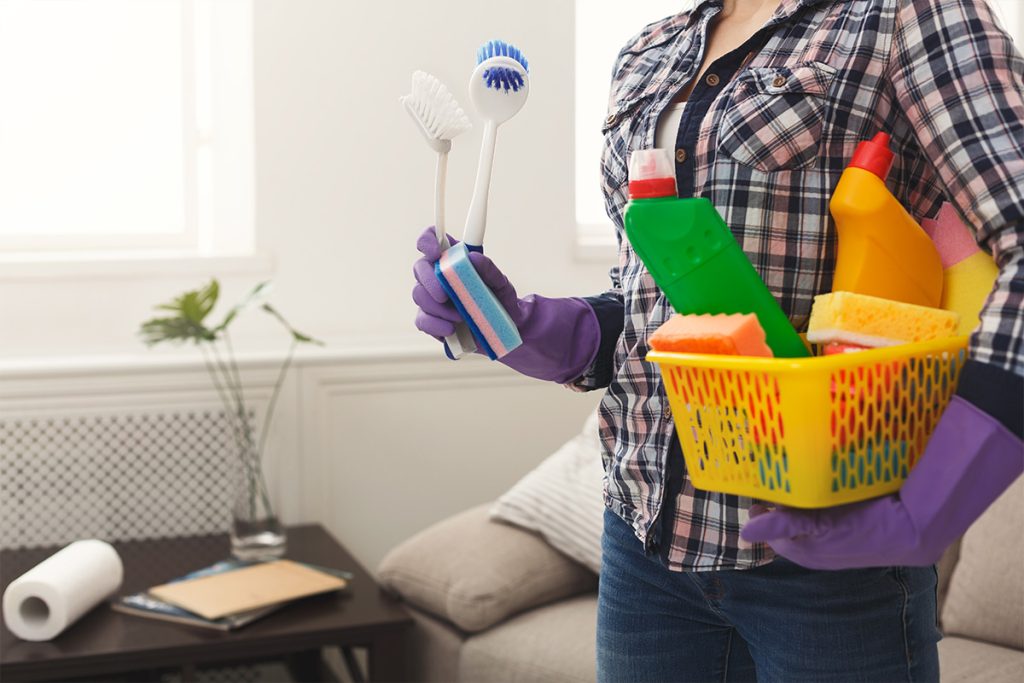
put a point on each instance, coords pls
(774, 117)
(621, 131)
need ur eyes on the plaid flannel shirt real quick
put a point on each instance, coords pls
(941, 76)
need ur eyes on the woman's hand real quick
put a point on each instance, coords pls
(436, 315)
(970, 460)
(560, 336)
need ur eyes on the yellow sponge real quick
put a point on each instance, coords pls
(845, 317)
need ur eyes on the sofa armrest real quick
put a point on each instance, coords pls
(474, 572)
(947, 563)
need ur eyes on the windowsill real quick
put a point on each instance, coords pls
(343, 349)
(68, 266)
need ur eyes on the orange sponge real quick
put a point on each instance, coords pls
(726, 335)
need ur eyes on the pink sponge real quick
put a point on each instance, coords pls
(953, 240)
(727, 335)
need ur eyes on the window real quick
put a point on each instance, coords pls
(126, 127)
(602, 28)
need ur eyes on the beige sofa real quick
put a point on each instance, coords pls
(495, 603)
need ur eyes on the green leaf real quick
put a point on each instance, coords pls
(258, 291)
(194, 305)
(190, 310)
(296, 335)
(177, 329)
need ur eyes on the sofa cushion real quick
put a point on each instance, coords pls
(968, 661)
(562, 498)
(474, 572)
(947, 563)
(551, 644)
(985, 600)
(432, 649)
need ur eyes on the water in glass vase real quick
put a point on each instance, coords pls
(257, 540)
(256, 532)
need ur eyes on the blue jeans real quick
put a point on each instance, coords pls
(778, 622)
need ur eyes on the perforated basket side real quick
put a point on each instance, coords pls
(730, 428)
(811, 432)
(882, 415)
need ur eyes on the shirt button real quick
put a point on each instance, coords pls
(779, 81)
(667, 412)
(681, 155)
(712, 80)
(610, 121)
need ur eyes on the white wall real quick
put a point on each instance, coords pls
(345, 183)
(344, 186)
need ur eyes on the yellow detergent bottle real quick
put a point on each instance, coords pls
(970, 274)
(968, 285)
(882, 250)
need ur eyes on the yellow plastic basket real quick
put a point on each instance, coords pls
(809, 432)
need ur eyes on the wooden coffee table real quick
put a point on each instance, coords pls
(109, 645)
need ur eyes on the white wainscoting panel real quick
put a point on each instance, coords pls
(375, 446)
(397, 446)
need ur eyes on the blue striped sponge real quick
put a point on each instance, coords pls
(491, 324)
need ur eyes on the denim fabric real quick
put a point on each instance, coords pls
(777, 622)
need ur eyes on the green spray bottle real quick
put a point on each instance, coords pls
(693, 256)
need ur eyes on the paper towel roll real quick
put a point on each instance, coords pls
(52, 595)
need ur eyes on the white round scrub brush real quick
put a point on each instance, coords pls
(440, 118)
(498, 89)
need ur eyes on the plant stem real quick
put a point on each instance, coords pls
(226, 400)
(231, 368)
(234, 367)
(222, 374)
(254, 451)
(236, 391)
(239, 405)
(268, 416)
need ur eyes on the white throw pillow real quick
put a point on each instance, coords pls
(562, 499)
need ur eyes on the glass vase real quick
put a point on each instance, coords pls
(256, 531)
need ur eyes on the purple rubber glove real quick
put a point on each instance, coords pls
(560, 336)
(968, 462)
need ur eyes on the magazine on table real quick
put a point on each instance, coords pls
(145, 605)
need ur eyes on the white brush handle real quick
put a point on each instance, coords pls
(461, 343)
(476, 221)
(440, 176)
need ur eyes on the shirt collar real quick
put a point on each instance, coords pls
(787, 8)
(685, 20)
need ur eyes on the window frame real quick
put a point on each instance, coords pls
(217, 38)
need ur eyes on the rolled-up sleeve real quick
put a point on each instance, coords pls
(609, 310)
(957, 78)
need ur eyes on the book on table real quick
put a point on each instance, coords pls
(242, 602)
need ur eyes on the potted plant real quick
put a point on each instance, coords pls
(256, 531)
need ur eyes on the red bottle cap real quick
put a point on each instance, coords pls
(874, 155)
(651, 189)
(651, 174)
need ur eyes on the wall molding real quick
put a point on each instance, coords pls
(356, 434)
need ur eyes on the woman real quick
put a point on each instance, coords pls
(775, 97)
